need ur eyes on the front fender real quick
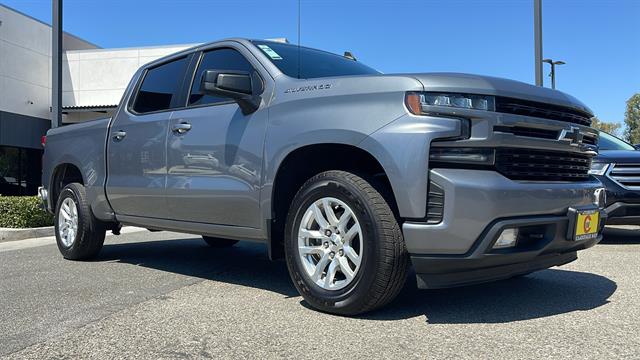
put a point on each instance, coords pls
(402, 148)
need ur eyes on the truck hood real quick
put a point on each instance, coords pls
(488, 85)
(618, 156)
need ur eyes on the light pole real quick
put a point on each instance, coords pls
(56, 63)
(553, 70)
(537, 39)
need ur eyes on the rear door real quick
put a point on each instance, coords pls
(137, 157)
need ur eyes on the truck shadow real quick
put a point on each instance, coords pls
(542, 294)
(244, 264)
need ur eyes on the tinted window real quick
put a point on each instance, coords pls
(610, 142)
(160, 86)
(221, 59)
(313, 63)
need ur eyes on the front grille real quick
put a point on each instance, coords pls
(590, 140)
(627, 175)
(539, 133)
(541, 165)
(435, 203)
(542, 110)
(528, 132)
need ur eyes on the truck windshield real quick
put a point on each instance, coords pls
(610, 142)
(313, 63)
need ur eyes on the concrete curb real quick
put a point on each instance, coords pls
(10, 234)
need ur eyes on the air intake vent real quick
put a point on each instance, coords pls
(627, 175)
(435, 204)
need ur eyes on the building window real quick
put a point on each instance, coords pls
(20, 171)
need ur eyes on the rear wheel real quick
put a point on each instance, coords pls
(218, 242)
(79, 234)
(343, 245)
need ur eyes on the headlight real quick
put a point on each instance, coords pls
(478, 156)
(419, 102)
(598, 168)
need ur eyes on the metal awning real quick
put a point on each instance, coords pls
(88, 108)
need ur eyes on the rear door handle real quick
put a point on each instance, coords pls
(181, 128)
(118, 135)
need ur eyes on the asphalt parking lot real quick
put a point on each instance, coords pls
(167, 295)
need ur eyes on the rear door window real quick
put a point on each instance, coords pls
(160, 87)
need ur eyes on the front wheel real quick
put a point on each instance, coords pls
(79, 234)
(344, 248)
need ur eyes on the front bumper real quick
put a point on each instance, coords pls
(478, 205)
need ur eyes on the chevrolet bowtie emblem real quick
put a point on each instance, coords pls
(572, 135)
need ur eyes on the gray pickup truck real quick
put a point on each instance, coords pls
(351, 175)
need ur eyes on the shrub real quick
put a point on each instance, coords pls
(23, 212)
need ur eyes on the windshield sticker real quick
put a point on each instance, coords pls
(269, 51)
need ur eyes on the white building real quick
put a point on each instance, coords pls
(93, 82)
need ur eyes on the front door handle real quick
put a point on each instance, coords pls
(181, 128)
(119, 135)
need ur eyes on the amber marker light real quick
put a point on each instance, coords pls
(413, 103)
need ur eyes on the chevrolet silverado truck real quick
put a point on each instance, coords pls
(351, 175)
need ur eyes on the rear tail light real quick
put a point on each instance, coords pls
(43, 140)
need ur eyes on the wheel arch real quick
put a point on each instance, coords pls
(63, 174)
(295, 168)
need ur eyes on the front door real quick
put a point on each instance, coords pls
(137, 144)
(214, 153)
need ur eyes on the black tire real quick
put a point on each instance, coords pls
(91, 232)
(385, 261)
(218, 242)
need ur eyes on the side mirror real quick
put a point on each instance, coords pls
(243, 87)
(637, 146)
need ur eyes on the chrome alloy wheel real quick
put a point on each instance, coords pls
(330, 243)
(68, 222)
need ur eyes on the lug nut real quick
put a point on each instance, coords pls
(341, 252)
(326, 244)
(327, 232)
(331, 255)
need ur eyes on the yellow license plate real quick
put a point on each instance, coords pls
(587, 224)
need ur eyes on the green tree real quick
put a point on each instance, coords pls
(632, 119)
(612, 128)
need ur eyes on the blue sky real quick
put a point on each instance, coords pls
(599, 39)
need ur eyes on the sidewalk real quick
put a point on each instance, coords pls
(48, 239)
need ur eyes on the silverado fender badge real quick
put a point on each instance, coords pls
(308, 88)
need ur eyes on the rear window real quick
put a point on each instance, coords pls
(307, 63)
(160, 86)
